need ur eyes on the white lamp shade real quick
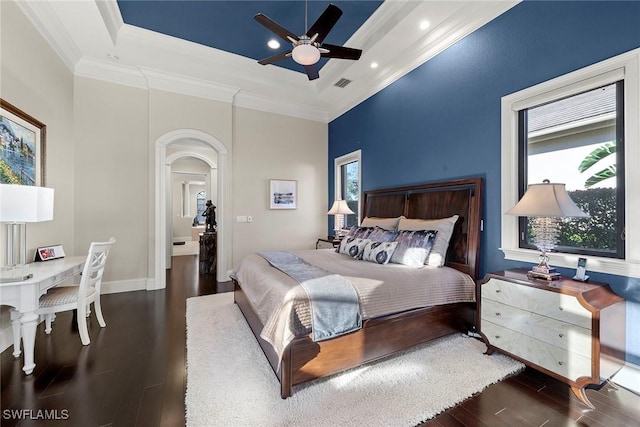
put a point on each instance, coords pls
(305, 54)
(340, 207)
(25, 203)
(547, 200)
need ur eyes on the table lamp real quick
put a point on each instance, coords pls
(20, 204)
(546, 203)
(339, 210)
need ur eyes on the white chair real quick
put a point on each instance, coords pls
(79, 297)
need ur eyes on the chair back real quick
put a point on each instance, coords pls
(94, 268)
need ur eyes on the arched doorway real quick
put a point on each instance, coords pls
(162, 245)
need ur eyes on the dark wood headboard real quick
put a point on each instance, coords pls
(438, 200)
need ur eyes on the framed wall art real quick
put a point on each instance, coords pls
(283, 194)
(22, 147)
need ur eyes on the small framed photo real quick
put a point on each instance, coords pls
(283, 194)
(48, 253)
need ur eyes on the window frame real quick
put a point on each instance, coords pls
(338, 162)
(622, 67)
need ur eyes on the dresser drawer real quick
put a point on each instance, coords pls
(552, 331)
(555, 359)
(565, 308)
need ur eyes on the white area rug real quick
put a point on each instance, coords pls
(230, 382)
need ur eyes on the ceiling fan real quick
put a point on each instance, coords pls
(308, 48)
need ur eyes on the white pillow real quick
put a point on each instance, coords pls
(386, 223)
(444, 226)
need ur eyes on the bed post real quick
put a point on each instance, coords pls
(285, 374)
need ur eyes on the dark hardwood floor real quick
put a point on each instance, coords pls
(133, 373)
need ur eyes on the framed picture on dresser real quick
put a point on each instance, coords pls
(22, 147)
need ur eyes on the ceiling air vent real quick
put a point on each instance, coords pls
(342, 82)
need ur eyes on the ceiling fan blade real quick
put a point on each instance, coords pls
(275, 27)
(280, 56)
(341, 52)
(312, 71)
(325, 23)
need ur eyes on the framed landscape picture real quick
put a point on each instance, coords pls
(283, 194)
(22, 147)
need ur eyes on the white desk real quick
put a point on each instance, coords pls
(24, 297)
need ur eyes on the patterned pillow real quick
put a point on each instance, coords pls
(353, 246)
(413, 247)
(444, 226)
(379, 252)
(381, 235)
(355, 232)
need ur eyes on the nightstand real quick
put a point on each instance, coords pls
(572, 331)
(328, 243)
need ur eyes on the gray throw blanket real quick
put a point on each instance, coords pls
(335, 306)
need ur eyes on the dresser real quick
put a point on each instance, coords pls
(570, 330)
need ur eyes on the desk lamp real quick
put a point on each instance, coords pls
(20, 204)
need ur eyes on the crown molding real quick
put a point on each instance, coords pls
(45, 20)
(458, 26)
(270, 105)
(111, 72)
(146, 59)
(111, 16)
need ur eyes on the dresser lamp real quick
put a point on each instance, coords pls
(546, 203)
(339, 210)
(20, 204)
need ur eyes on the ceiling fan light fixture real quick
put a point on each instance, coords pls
(305, 54)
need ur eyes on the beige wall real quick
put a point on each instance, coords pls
(35, 80)
(271, 146)
(101, 140)
(111, 171)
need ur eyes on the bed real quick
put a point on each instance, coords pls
(383, 333)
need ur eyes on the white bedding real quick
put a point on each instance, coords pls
(283, 307)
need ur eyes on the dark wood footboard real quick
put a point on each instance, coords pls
(305, 360)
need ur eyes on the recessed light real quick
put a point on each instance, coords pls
(273, 44)
(424, 25)
(374, 65)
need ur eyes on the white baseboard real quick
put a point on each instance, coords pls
(182, 239)
(628, 377)
(6, 337)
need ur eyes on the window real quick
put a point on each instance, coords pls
(200, 206)
(574, 140)
(554, 131)
(347, 184)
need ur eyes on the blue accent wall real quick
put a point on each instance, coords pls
(442, 120)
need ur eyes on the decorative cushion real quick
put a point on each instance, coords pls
(353, 246)
(379, 252)
(443, 226)
(386, 223)
(62, 295)
(355, 232)
(381, 235)
(362, 232)
(413, 247)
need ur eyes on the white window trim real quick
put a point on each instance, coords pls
(355, 156)
(625, 66)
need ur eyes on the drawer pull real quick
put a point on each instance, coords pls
(560, 363)
(560, 308)
(497, 337)
(498, 291)
(498, 313)
(561, 335)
